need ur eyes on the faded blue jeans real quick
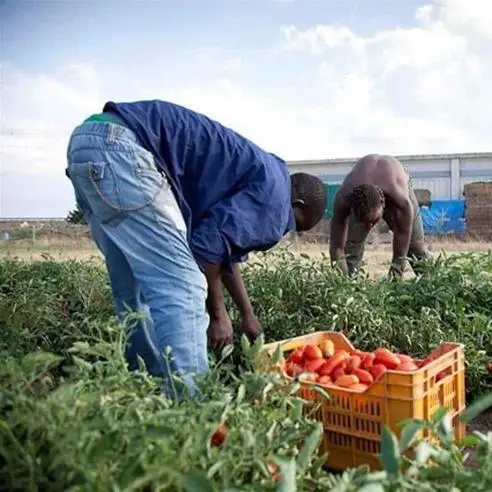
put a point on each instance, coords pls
(138, 227)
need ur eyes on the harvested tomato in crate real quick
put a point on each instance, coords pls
(370, 390)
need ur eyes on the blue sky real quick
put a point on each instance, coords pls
(304, 79)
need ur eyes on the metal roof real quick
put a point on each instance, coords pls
(419, 157)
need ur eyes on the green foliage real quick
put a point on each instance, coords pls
(72, 417)
(76, 216)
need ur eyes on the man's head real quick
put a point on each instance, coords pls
(308, 200)
(367, 203)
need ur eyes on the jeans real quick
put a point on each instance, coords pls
(136, 223)
(357, 235)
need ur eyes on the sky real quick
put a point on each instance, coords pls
(304, 79)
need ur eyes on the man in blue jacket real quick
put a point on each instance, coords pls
(175, 201)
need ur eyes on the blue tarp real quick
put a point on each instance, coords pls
(444, 216)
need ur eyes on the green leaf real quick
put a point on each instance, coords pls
(287, 480)
(277, 355)
(390, 453)
(310, 447)
(408, 434)
(296, 410)
(438, 415)
(371, 487)
(227, 351)
(318, 463)
(423, 452)
(445, 429)
(194, 481)
(468, 441)
(477, 408)
(318, 389)
(241, 392)
(245, 345)
(215, 468)
(271, 431)
(258, 345)
(158, 430)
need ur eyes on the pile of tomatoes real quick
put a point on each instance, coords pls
(324, 365)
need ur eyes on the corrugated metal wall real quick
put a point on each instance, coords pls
(444, 175)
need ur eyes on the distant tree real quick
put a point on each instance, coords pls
(76, 216)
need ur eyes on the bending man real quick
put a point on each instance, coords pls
(175, 201)
(377, 187)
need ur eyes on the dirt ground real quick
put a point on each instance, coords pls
(377, 256)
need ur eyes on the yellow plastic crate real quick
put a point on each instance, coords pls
(353, 421)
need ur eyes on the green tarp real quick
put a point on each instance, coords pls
(331, 190)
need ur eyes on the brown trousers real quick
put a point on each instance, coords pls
(357, 235)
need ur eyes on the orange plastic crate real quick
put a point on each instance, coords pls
(353, 421)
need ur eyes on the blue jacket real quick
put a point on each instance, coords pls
(234, 196)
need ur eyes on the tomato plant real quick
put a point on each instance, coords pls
(74, 418)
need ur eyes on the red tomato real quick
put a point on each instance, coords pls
(404, 358)
(339, 371)
(312, 352)
(440, 375)
(387, 358)
(353, 363)
(368, 361)
(314, 365)
(377, 371)
(324, 380)
(273, 469)
(296, 356)
(427, 360)
(292, 369)
(407, 367)
(219, 436)
(364, 376)
(333, 362)
(347, 380)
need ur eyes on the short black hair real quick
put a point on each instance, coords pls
(311, 190)
(364, 198)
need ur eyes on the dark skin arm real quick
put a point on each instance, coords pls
(234, 284)
(220, 328)
(338, 233)
(401, 235)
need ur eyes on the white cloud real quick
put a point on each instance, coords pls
(38, 113)
(409, 90)
(420, 89)
(468, 16)
(320, 38)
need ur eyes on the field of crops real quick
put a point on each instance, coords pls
(73, 418)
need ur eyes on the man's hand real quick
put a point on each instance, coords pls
(251, 327)
(396, 269)
(220, 332)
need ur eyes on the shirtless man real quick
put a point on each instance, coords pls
(377, 187)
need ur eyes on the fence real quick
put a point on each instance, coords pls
(470, 218)
(44, 233)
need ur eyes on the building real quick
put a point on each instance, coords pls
(443, 175)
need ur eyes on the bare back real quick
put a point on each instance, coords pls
(386, 172)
